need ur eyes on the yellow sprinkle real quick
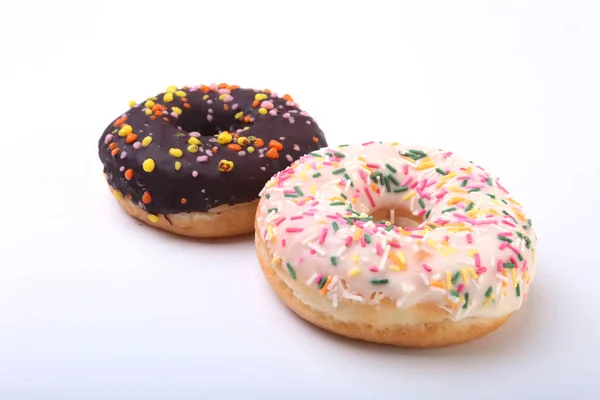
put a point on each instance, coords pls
(514, 276)
(514, 201)
(473, 274)
(243, 141)
(168, 97)
(118, 194)
(153, 218)
(454, 201)
(149, 103)
(431, 243)
(465, 276)
(457, 189)
(239, 115)
(395, 268)
(468, 170)
(269, 232)
(246, 128)
(313, 189)
(177, 110)
(260, 97)
(473, 212)
(488, 300)
(222, 96)
(471, 252)
(176, 152)
(177, 165)
(357, 234)
(520, 215)
(448, 279)
(192, 148)
(353, 272)
(194, 140)
(426, 165)
(149, 165)
(262, 111)
(148, 111)
(146, 141)
(205, 97)
(355, 258)
(224, 138)
(303, 176)
(132, 103)
(250, 149)
(180, 93)
(125, 130)
(438, 284)
(171, 89)
(409, 195)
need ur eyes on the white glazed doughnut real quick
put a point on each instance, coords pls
(455, 262)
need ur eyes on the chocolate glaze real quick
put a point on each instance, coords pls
(175, 191)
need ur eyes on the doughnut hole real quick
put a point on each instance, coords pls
(400, 217)
(198, 122)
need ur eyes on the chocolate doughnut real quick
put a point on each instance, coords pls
(192, 160)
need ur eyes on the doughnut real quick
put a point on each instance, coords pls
(192, 160)
(403, 245)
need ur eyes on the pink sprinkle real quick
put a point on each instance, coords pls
(323, 236)
(502, 245)
(137, 145)
(224, 91)
(174, 114)
(501, 187)
(442, 193)
(422, 212)
(500, 266)
(379, 249)
(363, 175)
(406, 181)
(513, 248)
(294, 230)
(209, 117)
(514, 261)
(286, 115)
(228, 98)
(446, 238)
(505, 234)
(301, 203)
(395, 245)
(363, 241)
(312, 251)
(508, 223)
(481, 270)
(376, 166)
(202, 159)
(412, 235)
(367, 143)
(295, 217)
(469, 238)
(427, 267)
(267, 104)
(460, 288)
(108, 138)
(448, 154)
(423, 183)
(314, 203)
(274, 112)
(279, 221)
(370, 197)
(414, 184)
(405, 169)
(213, 87)
(304, 113)
(477, 260)
(123, 155)
(235, 107)
(373, 269)
(310, 214)
(283, 242)
(348, 241)
(524, 266)
(195, 174)
(319, 277)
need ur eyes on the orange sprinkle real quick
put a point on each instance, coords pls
(120, 122)
(234, 147)
(315, 139)
(276, 144)
(184, 99)
(287, 97)
(233, 87)
(112, 145)
(183, 200)
(438, 284)
(187, 105)
(272, 153)
(259, 143)
(247, 119)
(215, 149)
(255, 104)
(324, 288)
(115, 151)
(146, 198)
(153, 117)
(129, 174)
(131, 138)
(204, 89)
(223, 86)
(225, 107)
(267, 91)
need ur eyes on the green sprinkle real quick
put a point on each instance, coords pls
(393, 179)
(340, 155)
(343, 145)
(335, 225)
(454, 293)
(493, 196)
(291, 271)
(268, 196)
(470, 207)
(271, 209)
(466, 300)
(527, 242)
(334, 260)
(440, 171)
(376, 175)
(349, 179)
(315, 154)
(508, 265)
(367, 238)
(520, 235)
(489, 181)
(388, 187)
(389, 228)
(297, 189)
(488, 293)
(339, 171)
(322, 282)
(463, 183)
(337, 203)
(388, 166)
(504, 201)
(529, 223)
(474, 190)
(380, 281)
(419, 152)
(504, 239)
(455, 277)
(342, 195)
(290, 195)
(518, 288)
(520, 257)
(316, 175)
(401, 189)
(427, 213)
(449, 210)
(421, 203)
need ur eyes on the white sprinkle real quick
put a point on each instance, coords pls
(333, 282)
(311, 280)
(438, 289)
(348, 183)
(335, 300)
(320, 251)
(311, 238)
(289, 158)
(497, 291)
(424, 278)
(502, 278)
(341, 251)
(350, 296)
(384, 258)
(453, 299)
(401, 300)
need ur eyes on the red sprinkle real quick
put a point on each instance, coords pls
(292, 230)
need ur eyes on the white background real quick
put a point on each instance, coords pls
(95, 306)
